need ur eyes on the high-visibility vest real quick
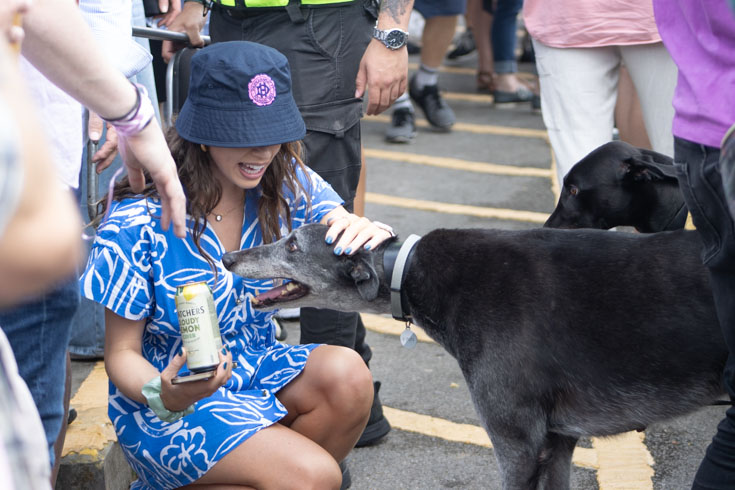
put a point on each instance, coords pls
(275, 3)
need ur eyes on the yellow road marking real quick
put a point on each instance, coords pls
(389, 326)
(624, 462)
(475, 128)
(459, 70)
(449, 208)
(458, 164)
(92, 430)
(463, 433)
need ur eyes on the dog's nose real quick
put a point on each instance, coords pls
(228, 259)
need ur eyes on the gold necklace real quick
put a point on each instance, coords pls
(218, 217)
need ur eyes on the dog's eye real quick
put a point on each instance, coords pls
(573, 190)
(291, 246)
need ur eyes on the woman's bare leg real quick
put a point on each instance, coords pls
(329, 402)
(275, 457)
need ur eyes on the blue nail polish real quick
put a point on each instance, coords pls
(224, 366)
(337, 250)
(367, 246)
(224, 351)
(179, 352)
(349, 249)
(330, 240)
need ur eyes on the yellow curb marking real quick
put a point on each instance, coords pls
(475, 128)
(92, 429)
(463, 209)
(459, 70)
(462, 433)
(458, 164)
(389, 326)
(624, 462)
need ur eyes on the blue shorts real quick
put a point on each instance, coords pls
(438, 8)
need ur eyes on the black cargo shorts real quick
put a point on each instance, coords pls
(324, 46)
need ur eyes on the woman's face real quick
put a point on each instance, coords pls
(242, 167)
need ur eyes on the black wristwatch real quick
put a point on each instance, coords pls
(392, 38)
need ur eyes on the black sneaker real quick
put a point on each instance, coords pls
(346, 477)
(402, 126)
(437, 112)
(464, 45)
(377, 426)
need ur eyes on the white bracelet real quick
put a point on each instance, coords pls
(385, 227)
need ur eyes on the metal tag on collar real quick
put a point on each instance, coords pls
(408, 338)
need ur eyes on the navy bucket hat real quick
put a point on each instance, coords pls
(240, 96)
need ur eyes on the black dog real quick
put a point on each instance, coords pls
(621, 185)
(560, 334)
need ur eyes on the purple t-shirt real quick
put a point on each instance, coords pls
(700, 35)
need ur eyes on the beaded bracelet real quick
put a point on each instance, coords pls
(152, 392)
(139, 116)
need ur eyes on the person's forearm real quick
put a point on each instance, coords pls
(394, 14)
(129, 371)
(60, 44)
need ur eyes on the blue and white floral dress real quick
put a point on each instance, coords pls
(134, 268)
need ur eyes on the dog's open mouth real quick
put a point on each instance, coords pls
(287, 292)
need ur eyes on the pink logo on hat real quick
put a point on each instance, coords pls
(262, 90)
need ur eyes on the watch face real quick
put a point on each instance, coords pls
(395, 39)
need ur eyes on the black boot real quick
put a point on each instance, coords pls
(377, 426)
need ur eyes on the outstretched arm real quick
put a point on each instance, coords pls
(384, 72)
(60, 44)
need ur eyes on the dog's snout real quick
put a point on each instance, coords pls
(228, 259)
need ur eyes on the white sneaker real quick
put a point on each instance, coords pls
(288, 313)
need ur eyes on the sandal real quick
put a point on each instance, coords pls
(485, 82)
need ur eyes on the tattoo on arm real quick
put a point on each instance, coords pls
(395, 8)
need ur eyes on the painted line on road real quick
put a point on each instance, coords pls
(458, 164)
(475, 128)
(388, 326)
(465, 433)
(624, 462)
(450, 208)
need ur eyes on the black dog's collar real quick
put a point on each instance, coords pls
(395, 258)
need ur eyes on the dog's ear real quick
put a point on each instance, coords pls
(644, 168)
(365, 277)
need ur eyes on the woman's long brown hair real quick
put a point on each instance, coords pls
(203, 192)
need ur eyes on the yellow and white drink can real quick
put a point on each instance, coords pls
(199, 326)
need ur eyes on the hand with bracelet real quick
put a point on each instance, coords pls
(171, 401)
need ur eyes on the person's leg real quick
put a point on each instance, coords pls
(698, 170)
(628, 113)
(578, 94)
(482, 22)
(38, 332)
(423, 86)
(654, 75)
(504, 40)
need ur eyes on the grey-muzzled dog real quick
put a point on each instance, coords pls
(559, 334)
(620, 185)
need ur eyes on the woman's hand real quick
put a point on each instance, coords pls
(178, 397)
(355, 232)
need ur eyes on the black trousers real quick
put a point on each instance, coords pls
(700, 179)
(324, 47)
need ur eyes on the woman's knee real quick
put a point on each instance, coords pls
(315, 471)
(346, 378)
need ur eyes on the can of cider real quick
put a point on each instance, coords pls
(198, 325)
